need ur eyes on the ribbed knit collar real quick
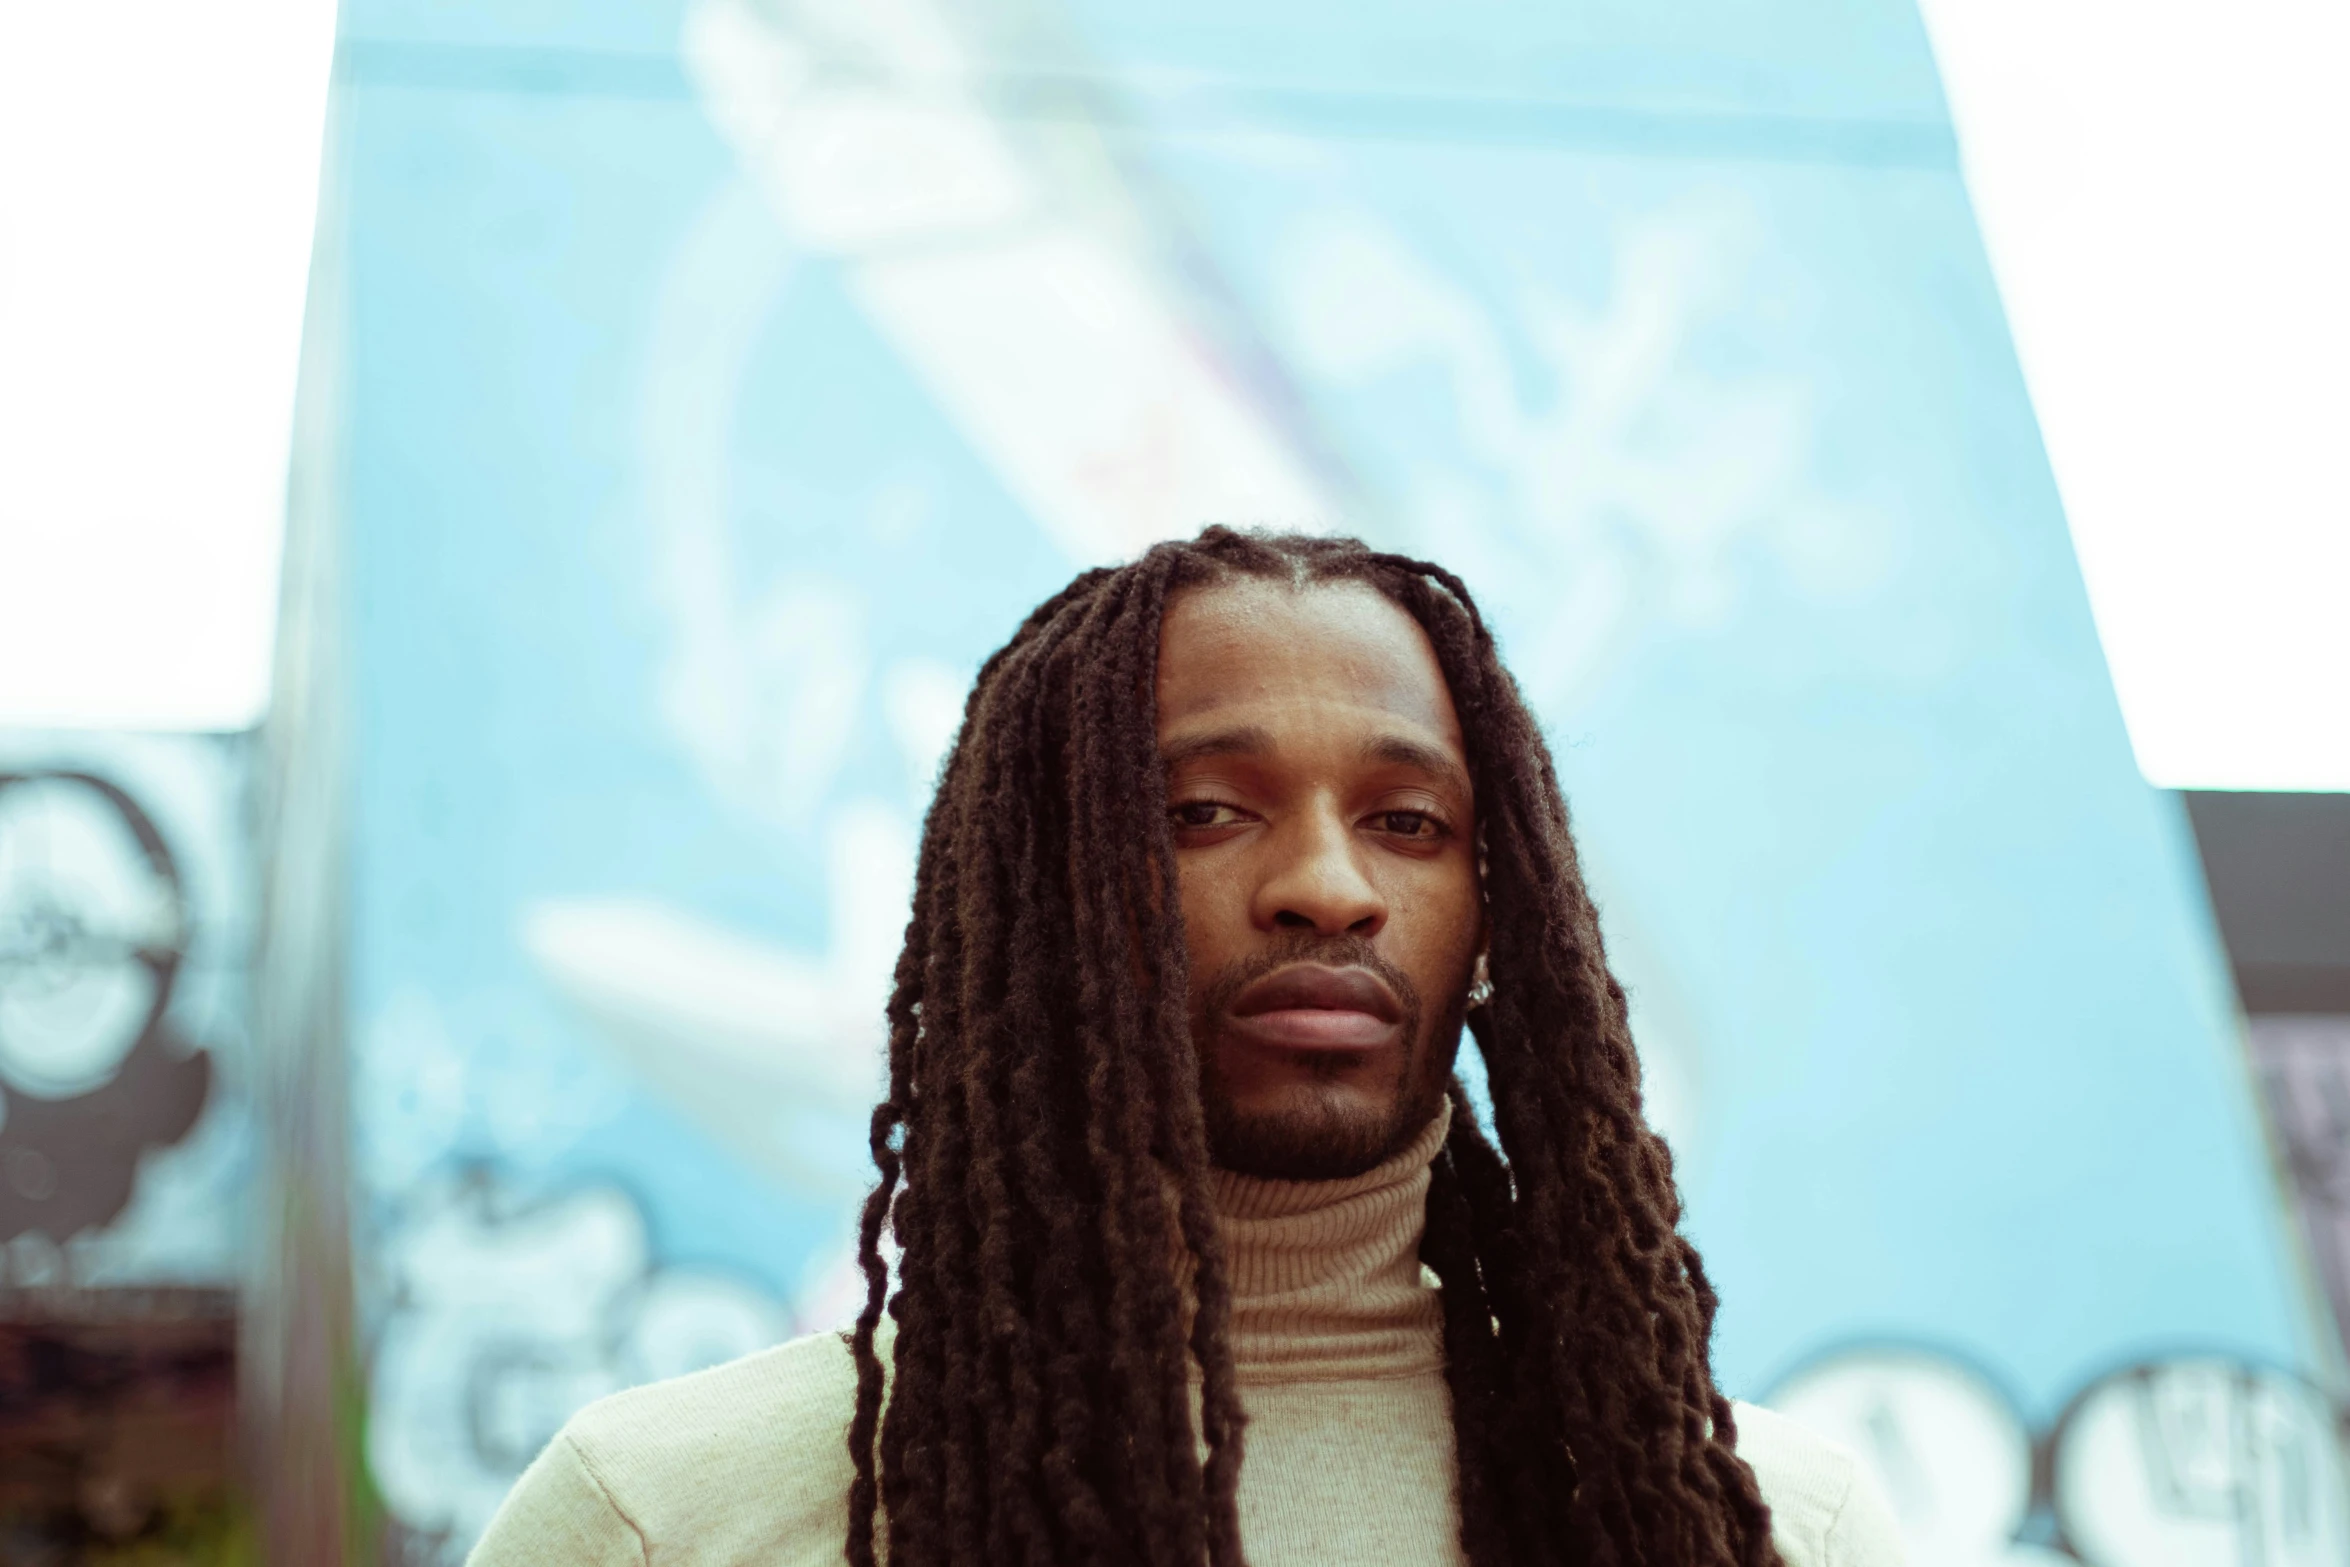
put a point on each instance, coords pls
(1326, 1279)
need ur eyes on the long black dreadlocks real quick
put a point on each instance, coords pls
(1044, 1162)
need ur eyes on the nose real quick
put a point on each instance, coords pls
(1316, 882)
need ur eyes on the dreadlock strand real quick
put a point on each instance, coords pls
(1107, 701)
(1077, 1384)
(939, 1443)
(1183, 1131)
(1083, 1383)
(982, 1341)
(1121, 1378)
(1011, 1415)
(903, 1020)
(1448, 1248)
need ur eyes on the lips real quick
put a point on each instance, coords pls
(1308, 1006)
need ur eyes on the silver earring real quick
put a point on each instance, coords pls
(1480, 985)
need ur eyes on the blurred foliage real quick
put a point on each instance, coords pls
(206, 1529)
(201, 1532)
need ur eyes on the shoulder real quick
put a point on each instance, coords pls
(774, 1419)
(745, 1460)
(1826, 1509)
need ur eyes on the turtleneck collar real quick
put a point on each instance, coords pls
(1326, 1278)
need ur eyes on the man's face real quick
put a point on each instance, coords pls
(1326, 845)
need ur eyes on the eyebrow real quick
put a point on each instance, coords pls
(1253, 740)
(1400, 752)
(1240, 740)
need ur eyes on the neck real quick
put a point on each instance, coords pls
(1326, 1278)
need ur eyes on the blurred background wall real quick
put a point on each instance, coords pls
(691, 395)
(127, 1133)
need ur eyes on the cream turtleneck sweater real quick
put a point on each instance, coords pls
(1339, 1341)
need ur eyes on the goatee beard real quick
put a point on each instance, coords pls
(1321, 1143)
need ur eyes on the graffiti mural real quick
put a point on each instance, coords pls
(2304, 1065)
(122, 896)
(2199, 1461)
(503, 1315)
(126, 1141)
(91, 1075)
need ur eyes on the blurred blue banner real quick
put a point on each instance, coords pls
(726, 380)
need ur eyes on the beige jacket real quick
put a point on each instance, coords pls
(1338, 1337)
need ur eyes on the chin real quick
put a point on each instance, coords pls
(1310, 1131)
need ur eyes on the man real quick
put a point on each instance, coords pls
(1202, 1255)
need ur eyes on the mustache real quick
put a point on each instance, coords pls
(1306, 947)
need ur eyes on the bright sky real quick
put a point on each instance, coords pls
(158, 176)
(2160, 187)
(2164, 189)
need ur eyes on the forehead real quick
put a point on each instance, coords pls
(1326, 650)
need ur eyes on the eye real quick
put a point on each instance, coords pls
(1409, 824)
(1197, 814)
